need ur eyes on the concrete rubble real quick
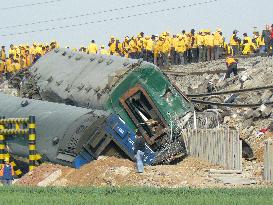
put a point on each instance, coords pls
(252, 122)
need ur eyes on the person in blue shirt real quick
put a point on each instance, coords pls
(7, 173)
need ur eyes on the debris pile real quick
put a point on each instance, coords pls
(111, 171)
(253, 122)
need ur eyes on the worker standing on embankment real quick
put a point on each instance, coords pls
(232, 64)
(139, 147)
(6, 173)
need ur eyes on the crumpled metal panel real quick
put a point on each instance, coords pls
(53, 121)
(77, 78)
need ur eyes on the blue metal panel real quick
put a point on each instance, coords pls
(125, 137)
(82, 159)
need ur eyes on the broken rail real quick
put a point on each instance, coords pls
(221, 146)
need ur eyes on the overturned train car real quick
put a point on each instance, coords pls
(68, 135)
(135, 90)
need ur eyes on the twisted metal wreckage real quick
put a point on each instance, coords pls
(138, 94)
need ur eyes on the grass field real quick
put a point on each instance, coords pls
(127, 196)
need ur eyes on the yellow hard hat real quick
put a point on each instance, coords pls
(112, 37)
(102, 46)
(6, 159)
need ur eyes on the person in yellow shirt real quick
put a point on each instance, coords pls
(126, 46)
(2, 70)
(3, 54)
(119, 49)
(15, 66)
(218, 42)
(104, 51)
(209, 45)
(173, 41)
(180, 49)
(232, 64)
(133, 48)
(193, 51)
(28, 59)
(149, 48)
(92, 48)
(166, 47)
(157, 51)
(22, 62)
(112, 45)
(201, 46)
(235, 43)
(248, 46)
(9, 69)
(12, 50)
(261, 44)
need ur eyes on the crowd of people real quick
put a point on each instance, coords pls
(162, 50)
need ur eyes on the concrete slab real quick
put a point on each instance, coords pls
(235, 180)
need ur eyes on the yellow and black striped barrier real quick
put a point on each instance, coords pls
(2, 145)
(32, 142)
(14, 120)
(15, 129)
(14, 132)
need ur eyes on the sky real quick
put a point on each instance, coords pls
(228, 15)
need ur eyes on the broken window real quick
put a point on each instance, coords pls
(145, 115)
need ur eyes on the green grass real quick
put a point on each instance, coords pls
(127, 196)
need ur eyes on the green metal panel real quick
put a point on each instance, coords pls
(155, 84)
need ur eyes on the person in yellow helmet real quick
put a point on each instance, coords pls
(92, 48)
(104, 51)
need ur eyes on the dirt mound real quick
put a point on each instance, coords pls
(111, 171)
(39, 174)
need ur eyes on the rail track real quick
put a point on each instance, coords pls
(183, 73)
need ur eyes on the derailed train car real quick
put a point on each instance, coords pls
(68, 135)
(137, 91)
